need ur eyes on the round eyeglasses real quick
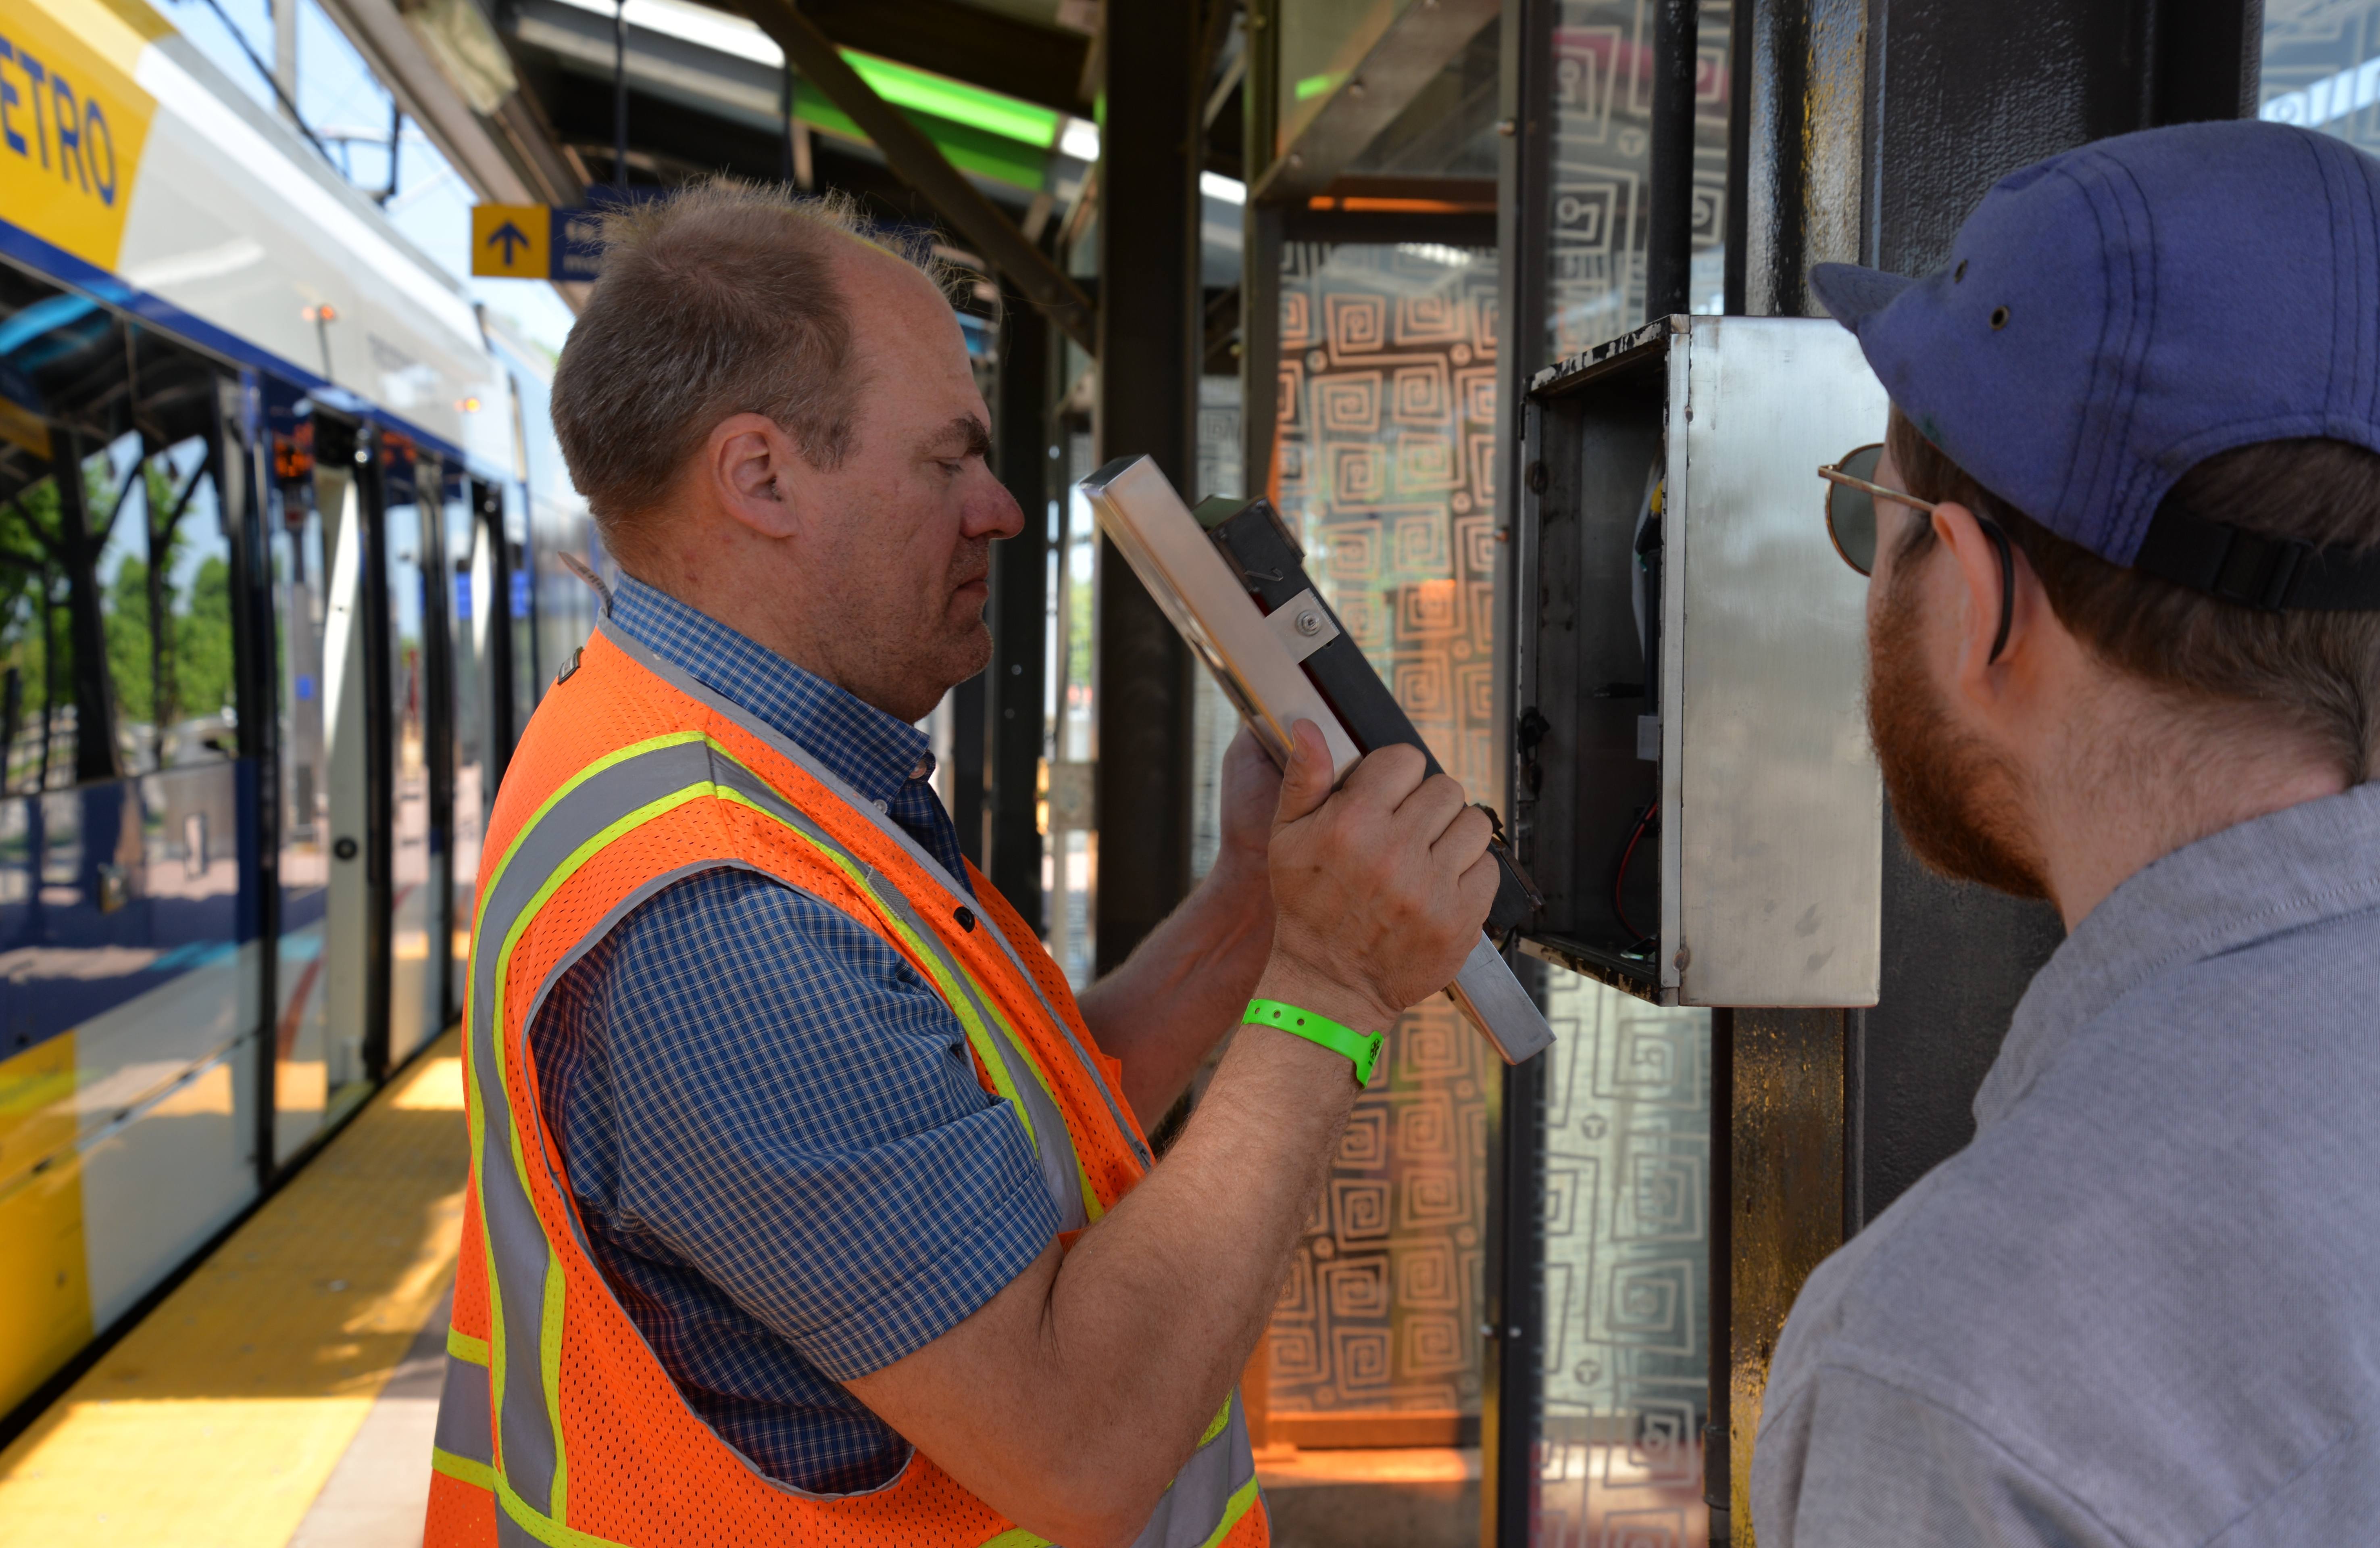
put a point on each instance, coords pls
(1852, 494)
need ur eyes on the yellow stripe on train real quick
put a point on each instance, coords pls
(44, 1293)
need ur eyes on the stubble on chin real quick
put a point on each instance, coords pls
(1953, 799)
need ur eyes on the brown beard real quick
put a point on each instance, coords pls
(1954, 800)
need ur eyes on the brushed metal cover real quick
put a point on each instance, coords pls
(1772, 846)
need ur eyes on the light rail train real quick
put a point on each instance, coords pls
(280, 525)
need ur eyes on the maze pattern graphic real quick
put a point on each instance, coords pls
(1627, 1270)
(1384, 469)
(2314, 66)
(1603, 56)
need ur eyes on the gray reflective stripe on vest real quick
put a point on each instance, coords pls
(1220, 1475)
(463, 1428)
(521, 1257)
(957, 895)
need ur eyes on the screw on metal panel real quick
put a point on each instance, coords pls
(1356, 87)
(1507, 128)
(1308, 622)
(1538, 478)
(1685, 954)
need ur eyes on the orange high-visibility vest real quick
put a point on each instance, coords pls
(558, 1425)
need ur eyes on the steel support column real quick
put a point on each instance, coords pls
(1020, 597)
(1867, 130)
(1940, 132)
(1511, 1400)
(1151, 325)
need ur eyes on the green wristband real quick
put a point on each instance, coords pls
(1361, 1047)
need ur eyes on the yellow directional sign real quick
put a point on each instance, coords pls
(512, 241)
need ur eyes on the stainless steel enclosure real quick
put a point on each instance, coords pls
(1695, 791)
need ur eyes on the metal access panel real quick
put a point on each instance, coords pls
(1695, 792)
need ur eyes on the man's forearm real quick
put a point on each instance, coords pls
(1184, 986)
(1139, 1332)
(1069, 1399)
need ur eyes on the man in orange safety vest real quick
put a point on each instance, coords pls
(808, 1204)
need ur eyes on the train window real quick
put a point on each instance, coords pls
(128, 965)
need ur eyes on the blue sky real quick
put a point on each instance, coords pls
(348, 110)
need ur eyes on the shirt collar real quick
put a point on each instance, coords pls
(2277, 872)
(871, 752)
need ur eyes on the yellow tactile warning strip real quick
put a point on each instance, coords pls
(214, 1423)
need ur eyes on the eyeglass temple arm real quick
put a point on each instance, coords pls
(1992, 528)
(1836, 475)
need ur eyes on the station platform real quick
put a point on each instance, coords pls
(284, 1395)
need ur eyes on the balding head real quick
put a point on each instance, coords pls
(720, 299)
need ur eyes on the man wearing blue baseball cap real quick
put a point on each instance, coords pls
(2124, 638)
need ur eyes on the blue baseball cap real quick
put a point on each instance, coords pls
(2113, 316)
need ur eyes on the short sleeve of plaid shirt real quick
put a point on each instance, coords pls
(772, 1123)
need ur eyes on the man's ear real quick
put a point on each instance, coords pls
(1978, 558)
(755, 470)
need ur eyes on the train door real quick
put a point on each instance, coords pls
(411, 621)
(475, 637)
(324, 967)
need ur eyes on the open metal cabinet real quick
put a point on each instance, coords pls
(1693, 785)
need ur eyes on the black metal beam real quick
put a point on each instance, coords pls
(1511, 1399)
(2208, 54)
(1151, 325)
(1669, 180)
(1041, 65)
(968, 764)
(1020, 600)
(922, 165)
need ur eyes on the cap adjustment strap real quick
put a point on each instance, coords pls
(2269, 574)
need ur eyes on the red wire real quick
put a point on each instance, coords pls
(1621, 880)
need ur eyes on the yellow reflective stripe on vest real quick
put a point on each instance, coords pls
(463, 1346)
(475, 1109)
(488, 1022)
(800, 757)
(461, 1469)
(1241, 1497)
(966, 1000)
(1092, 1208)
(551, 1313)
(988, 1029)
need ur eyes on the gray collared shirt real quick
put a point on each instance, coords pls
(2143, 1306)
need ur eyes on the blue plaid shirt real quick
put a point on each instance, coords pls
(787, 1169)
